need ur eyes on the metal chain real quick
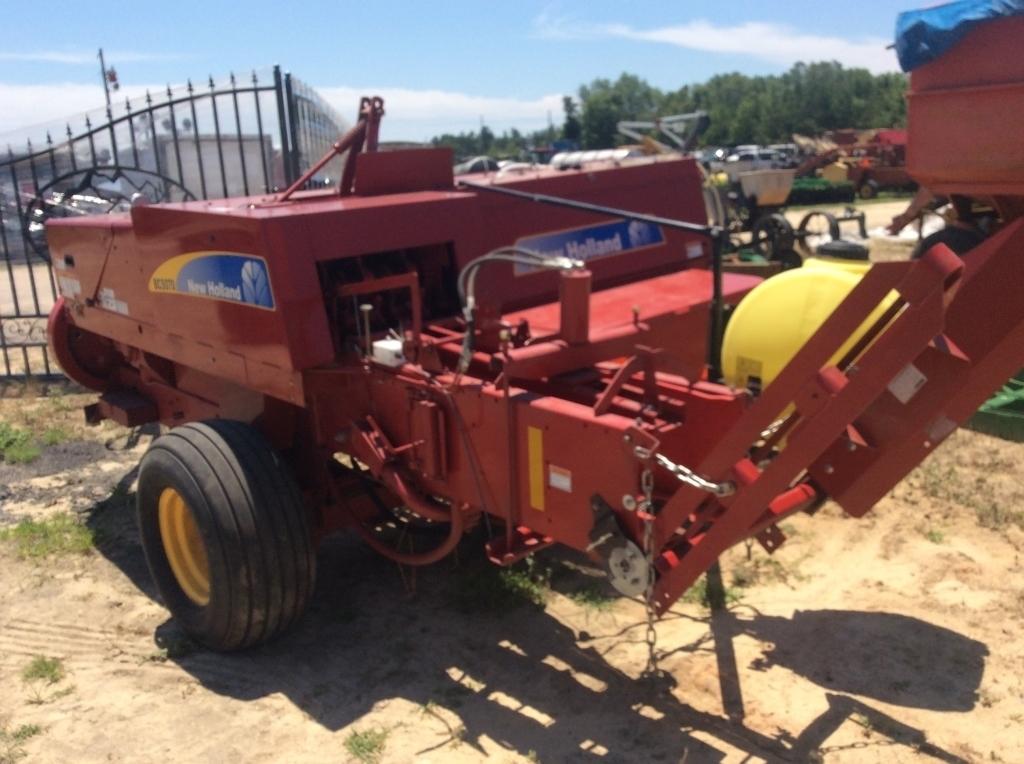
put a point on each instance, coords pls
(651, 636)
(691, 478)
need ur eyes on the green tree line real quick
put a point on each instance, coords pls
(509, 144)
(807, 99)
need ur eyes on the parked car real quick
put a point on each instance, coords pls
(476, 164)
(747, 160)
(710, 155)
(789, 154)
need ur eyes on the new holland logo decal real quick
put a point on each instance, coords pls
(593, 241)
(225, 276)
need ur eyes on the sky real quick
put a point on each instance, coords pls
(442, 67)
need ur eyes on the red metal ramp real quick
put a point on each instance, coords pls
(856, 429)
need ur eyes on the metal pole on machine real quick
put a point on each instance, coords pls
(716, 234)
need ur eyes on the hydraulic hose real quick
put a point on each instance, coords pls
(455, 529)
(411, 498)
(467, 286)
(415, 501)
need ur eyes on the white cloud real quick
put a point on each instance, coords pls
(777, 43)
(422, 114)
(23, 107)
(82, 57)
(417, 115)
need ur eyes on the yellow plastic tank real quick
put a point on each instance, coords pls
(774, 321)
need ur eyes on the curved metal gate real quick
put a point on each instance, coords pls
(223, 138)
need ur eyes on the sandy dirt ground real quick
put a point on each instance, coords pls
(894, 638)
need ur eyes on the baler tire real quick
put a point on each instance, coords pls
(772, 236)
(960, 240)
(868, 189)
(250, 525)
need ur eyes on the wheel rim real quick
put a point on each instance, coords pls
(815, 229)
(763, 239)
(184, 546)
(772, 236)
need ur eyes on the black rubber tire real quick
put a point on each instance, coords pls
(772, 236)
(845, 250)
(868, 189)
(254, 528)
(789, 258)
(960, 240)
(804, 230)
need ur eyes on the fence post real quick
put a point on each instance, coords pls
(282, 122)
(293, 125)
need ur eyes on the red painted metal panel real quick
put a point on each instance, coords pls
(613, 308)
(963, 112)
(833, 407)
(390, 172)
(669, 188)
(982, 346)
(607, 370)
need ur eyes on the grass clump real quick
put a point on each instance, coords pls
(698, 594)
(16, 445)
(486, 588)
(59, 404)
(592, 598)
(20, 445)
(761, 570)
(25, 732)
(526, 586)
(367, 746)
(44, 669)
(57, 535)
(42, 673)
(52, 436)
(11, 741)
(935, 536)
(947, 484)
(995, 517)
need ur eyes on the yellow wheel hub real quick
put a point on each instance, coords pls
(184, 547)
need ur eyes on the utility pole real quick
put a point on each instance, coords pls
(109, 77)
(103, 76)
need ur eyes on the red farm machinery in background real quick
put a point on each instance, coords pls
(411, 355)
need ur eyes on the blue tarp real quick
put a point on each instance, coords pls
(923, 36)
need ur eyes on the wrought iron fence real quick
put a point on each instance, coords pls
(220, 138)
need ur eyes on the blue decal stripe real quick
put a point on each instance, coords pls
(225, 276)
(591, 242)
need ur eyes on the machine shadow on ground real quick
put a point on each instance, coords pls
(530, 683)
